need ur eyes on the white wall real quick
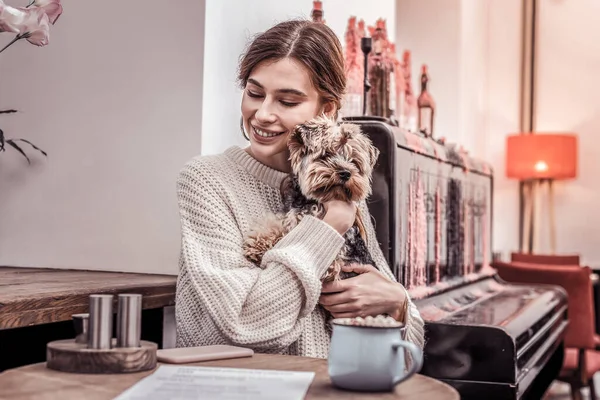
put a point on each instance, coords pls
(430, 29)
(568, 99)
(115, 99)
(228, 34)
(502, 116)
(117, 103)
(473, 50)
(121, 100)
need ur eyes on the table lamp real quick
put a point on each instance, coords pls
(540, 158)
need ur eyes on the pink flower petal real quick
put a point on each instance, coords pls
(40, 33)
(52, 8)
(11, 19)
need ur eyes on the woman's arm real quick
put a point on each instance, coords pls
(221, 296)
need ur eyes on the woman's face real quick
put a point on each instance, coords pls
(278, 96)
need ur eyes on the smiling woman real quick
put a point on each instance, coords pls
(290, 74)
(288, 79)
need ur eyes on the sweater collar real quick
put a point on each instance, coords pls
(265, 174)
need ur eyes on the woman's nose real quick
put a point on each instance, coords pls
(264, 113)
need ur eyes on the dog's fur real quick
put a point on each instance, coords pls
(329, 162)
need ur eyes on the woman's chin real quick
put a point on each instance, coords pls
(270, 148)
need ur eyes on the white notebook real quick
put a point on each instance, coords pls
(213, 383)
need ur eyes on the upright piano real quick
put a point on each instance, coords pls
(432, 206)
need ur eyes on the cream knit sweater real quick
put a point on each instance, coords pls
(222, 298)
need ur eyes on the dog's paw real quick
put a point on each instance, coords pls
(333, 272)
(264, 235)
(254, 249)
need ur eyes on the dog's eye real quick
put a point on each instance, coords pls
(328, 155)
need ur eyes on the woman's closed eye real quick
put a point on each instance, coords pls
(254, 95)
(283, 102)
(289, 103)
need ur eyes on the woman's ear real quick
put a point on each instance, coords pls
(330, 110)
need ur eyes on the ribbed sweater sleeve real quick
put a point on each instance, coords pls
(259, 307)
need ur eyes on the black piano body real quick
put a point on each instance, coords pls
(432, 206)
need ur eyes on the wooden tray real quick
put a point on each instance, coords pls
(68, 356)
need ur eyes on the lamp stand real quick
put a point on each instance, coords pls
(537, 217)
(551, 216)
(532, 191)
(527, 215)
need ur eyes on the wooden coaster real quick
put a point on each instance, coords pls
(68, 356)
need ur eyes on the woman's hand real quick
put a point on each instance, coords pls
(340, 215)
(369, 293)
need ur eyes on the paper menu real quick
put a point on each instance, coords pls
(213, 383)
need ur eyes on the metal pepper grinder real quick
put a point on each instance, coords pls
(366, 45)
(129, 320)
(100, 321)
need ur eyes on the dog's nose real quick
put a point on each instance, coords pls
(344, 175)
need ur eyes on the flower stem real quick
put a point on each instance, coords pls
(14, 40)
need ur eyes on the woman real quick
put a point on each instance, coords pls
(290, 74)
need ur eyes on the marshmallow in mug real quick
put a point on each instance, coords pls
(380, 321)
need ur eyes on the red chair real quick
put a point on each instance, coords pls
(582, 360)
(547, 259)
(552, 259)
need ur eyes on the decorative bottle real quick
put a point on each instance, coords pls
(426, 105)
(317, 11)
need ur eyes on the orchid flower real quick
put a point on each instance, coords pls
(31, 22)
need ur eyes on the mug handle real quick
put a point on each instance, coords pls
(417, 359)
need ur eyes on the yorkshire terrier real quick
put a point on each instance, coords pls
(329, 161)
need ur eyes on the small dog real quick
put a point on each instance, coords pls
(329, 162)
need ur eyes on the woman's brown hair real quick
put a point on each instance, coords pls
(313, 44)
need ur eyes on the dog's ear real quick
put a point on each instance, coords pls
(301, 136)
(296, 145)
(373, 154)
(367, 145)
(349, 131)
(317, 132)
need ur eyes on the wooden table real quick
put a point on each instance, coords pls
(38, 382)
(33, 296)
(36, 305)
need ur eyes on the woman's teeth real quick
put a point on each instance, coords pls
(265, 134)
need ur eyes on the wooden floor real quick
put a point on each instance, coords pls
(561, 390)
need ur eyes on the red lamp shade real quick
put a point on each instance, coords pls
(541, 156)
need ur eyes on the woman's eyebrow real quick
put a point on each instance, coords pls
(285, 91)
(292, 91)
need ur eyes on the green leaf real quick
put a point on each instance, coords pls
(16, 147)
(8, 111)
(33, 145)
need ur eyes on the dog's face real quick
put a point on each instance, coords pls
(331, 161)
